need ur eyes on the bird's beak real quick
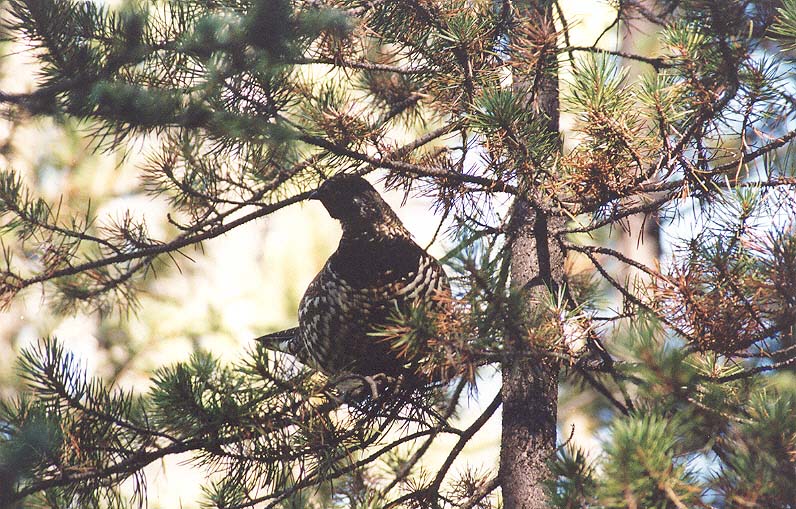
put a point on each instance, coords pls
(315, 195)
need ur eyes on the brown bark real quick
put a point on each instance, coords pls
(530, 382)
(530, 379)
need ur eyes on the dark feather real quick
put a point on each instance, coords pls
(376, 269)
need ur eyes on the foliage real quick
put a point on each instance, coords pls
(253, 104)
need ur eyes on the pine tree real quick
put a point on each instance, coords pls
(688, 370)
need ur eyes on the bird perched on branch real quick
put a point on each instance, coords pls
(376, 270)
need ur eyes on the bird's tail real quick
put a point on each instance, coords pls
(285, 341)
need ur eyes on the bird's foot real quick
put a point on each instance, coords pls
(357, 388)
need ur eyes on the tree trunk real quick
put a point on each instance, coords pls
(530, 381)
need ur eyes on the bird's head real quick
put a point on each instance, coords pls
(356, 204)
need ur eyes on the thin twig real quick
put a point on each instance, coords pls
(420, 452)
(483, 491)
(754, 371)
(363, 65)
(656, 63)
(433, 488)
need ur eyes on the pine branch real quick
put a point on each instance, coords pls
(654, 274)
(632, 298)
(656, 63)
(409, 168)
(786, 363)
(184, 240)
(599, 387)
(647, 13)
(407, 466)
(362, 65)
(483, 491)
(143, 457)
(432, 490)
(317, 477)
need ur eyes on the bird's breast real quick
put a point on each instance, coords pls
(360, 287)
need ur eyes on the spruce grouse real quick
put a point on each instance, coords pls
(376, 270)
